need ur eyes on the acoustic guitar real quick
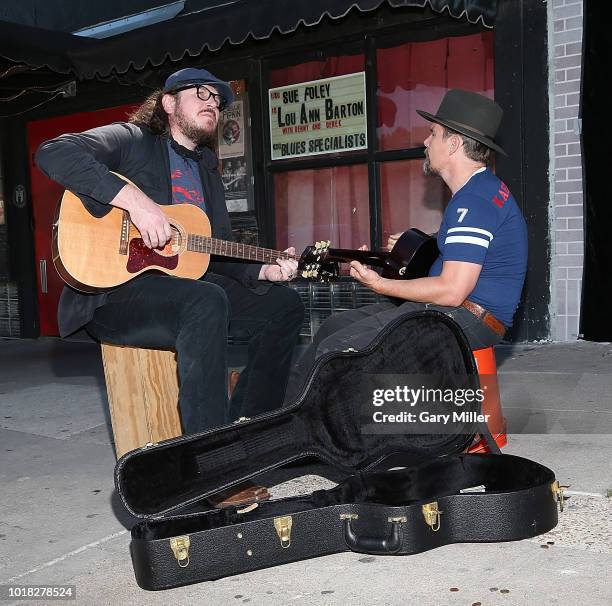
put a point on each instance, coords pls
(411, 257)
(94, 254)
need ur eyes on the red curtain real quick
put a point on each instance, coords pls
(315, 70)
(323, 204)
(410, 199)
(411, 76)
(416, 75)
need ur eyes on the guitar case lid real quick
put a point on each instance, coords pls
(330, 419)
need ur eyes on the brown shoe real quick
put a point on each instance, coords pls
(234, 375)
(242, 494)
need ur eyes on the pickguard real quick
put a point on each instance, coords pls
(140, 257)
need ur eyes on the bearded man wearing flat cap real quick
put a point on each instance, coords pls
(166, 151)
(478, 276)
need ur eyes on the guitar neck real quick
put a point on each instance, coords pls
(367, 257)
(236, 250)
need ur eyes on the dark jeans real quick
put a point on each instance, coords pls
(193, 317)
(337, 332)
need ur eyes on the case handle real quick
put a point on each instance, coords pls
(373, 545)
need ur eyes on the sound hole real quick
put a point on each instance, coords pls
(174, 245)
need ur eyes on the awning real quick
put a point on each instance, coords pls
(40, 48)
(237, 22)
(190, 34)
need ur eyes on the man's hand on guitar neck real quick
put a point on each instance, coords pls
(362, 273)
(148, 218)
(284, 271)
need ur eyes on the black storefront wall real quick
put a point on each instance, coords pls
(521, 88)
(520, 35)
(596, 321)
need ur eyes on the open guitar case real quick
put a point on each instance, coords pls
(436, 496)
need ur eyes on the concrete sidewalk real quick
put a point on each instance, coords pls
(61, 522)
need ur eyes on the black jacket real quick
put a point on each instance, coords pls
(82, 163)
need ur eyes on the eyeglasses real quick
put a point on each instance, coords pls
(204, 94)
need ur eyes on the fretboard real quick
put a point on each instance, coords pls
(367, 257)
(238, 250)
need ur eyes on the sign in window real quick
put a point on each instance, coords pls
(318, 117)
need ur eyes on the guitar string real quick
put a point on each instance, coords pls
(215, 246)
(248, 251)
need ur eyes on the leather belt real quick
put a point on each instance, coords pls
(486, 317)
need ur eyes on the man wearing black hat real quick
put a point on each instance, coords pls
(479, 274)
(166, 151)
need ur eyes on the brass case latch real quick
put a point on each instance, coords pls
(558, 492)
(283, 530)
(180, 548)
(432, 514)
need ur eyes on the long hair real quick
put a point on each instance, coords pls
(152, 114)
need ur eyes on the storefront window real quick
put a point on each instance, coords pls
(330, 203)
(415, 75)
(410, 199)
(315, 70)
(324, 204)
(333, 203)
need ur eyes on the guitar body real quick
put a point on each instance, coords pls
(412, 256)
(94, 254)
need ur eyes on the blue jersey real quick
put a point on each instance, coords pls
(483, 224)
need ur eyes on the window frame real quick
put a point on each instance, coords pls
(367, 44)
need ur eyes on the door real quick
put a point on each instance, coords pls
(45, 196)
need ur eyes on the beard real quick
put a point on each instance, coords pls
(428, 170)
(200, 135)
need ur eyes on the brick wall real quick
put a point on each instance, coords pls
(566, 229)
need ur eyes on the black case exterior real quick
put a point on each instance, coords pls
(232, 543)
(166, 484)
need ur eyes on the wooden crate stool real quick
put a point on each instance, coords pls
(142, 387)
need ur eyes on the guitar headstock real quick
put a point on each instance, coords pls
(313, 264)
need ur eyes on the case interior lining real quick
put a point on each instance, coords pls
(442, 477)
(324, 422)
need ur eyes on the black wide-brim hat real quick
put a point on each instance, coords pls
(469, 114)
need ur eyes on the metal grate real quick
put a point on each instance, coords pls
(10, 325)
(322, 300)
